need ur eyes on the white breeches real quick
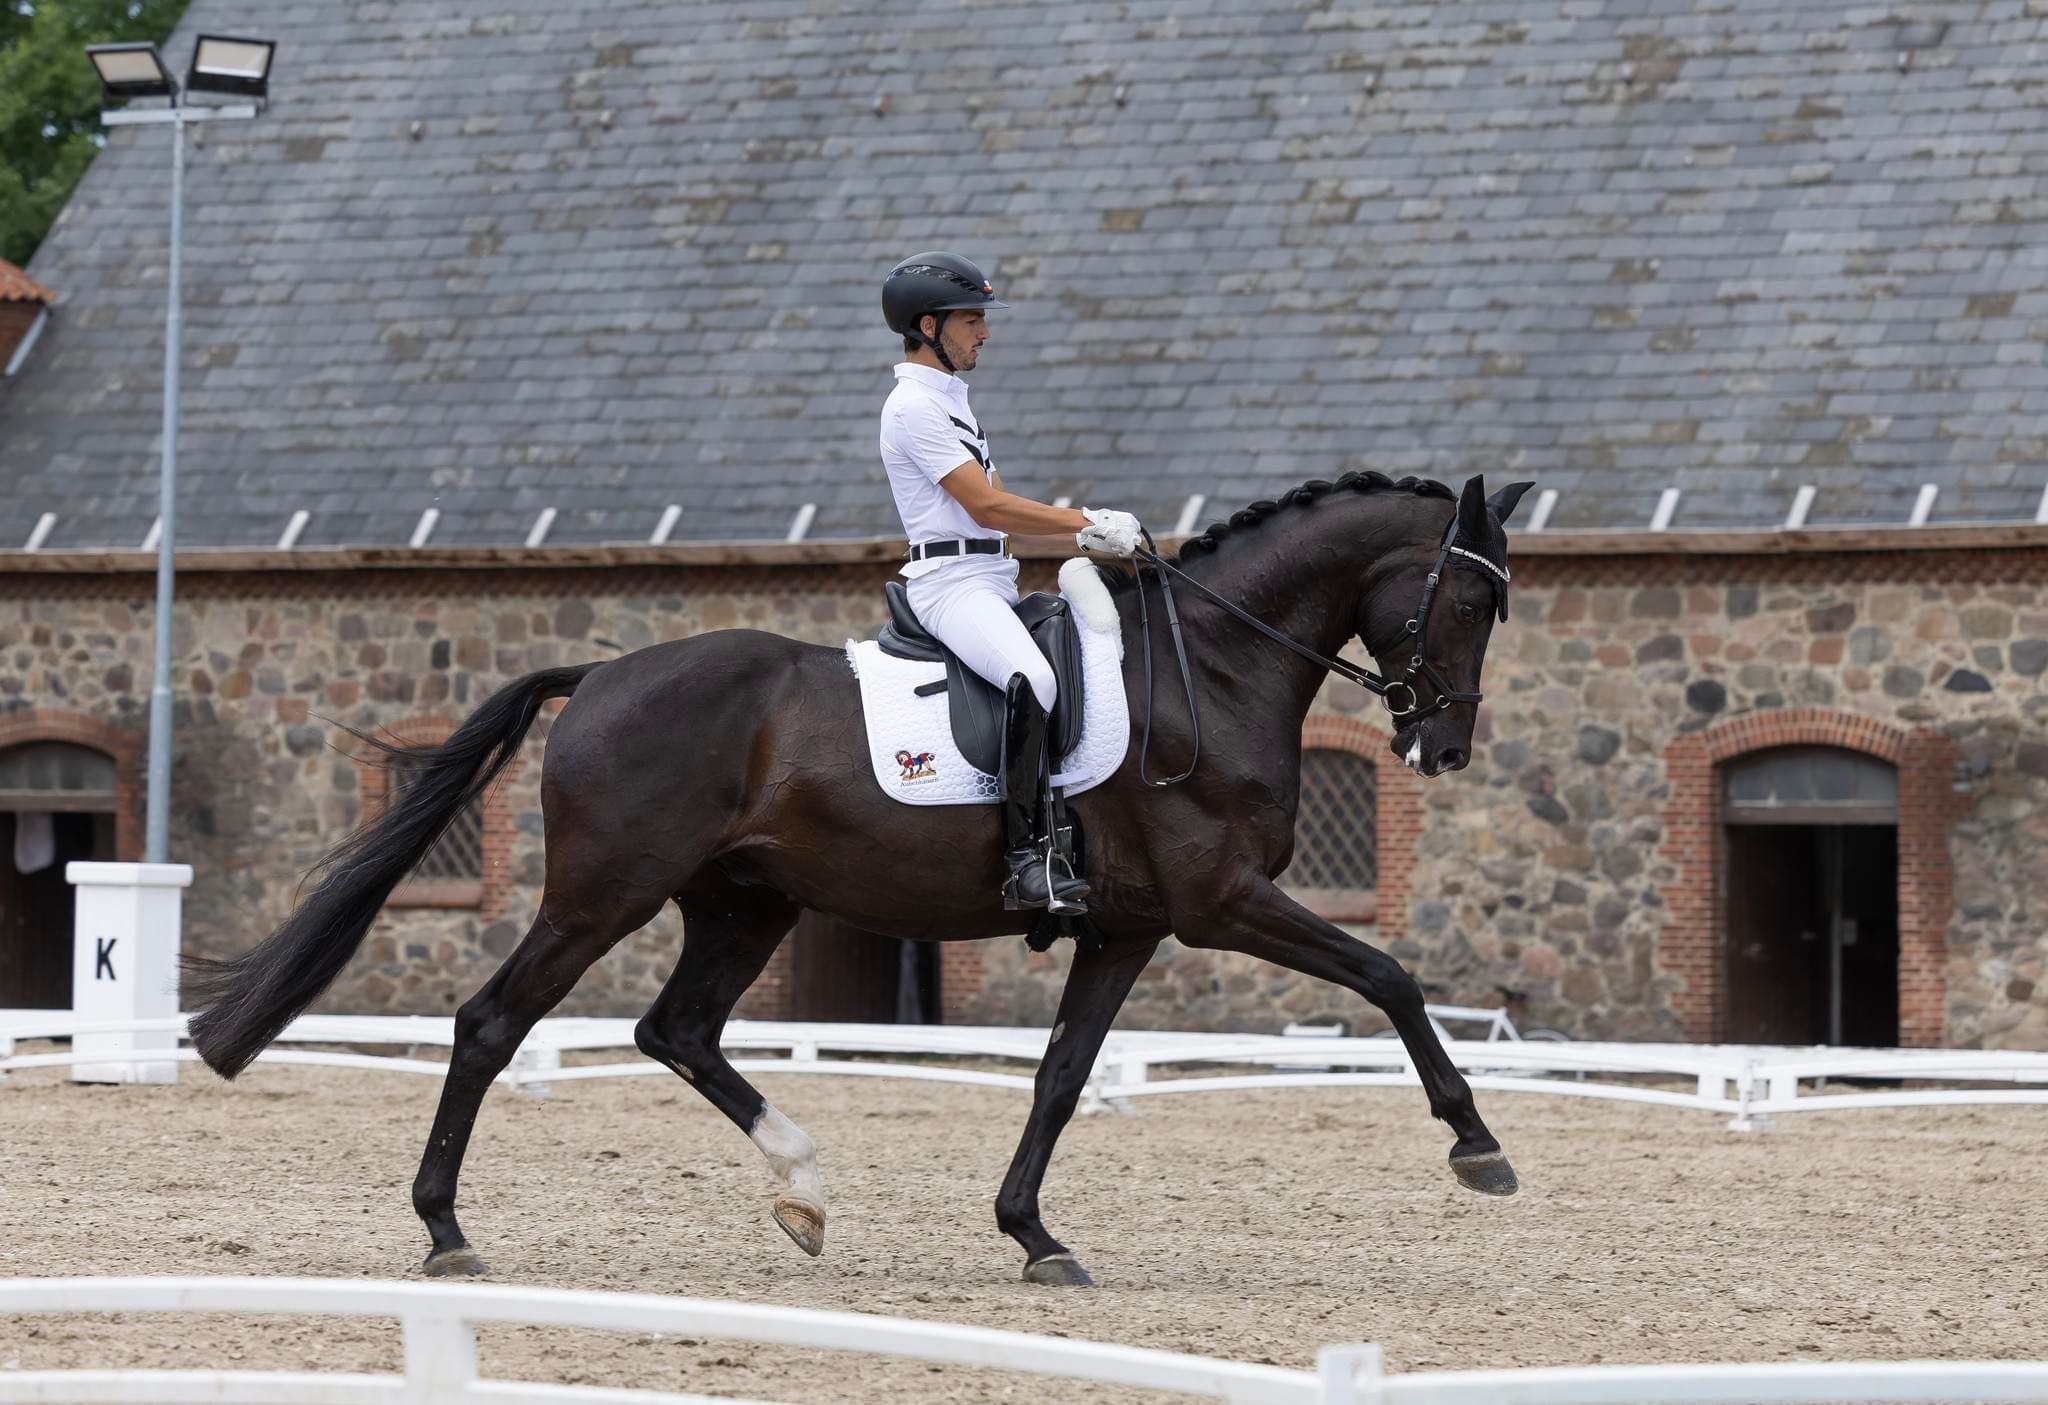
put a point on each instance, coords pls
(971, 607)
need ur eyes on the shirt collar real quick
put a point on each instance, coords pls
(944, 384)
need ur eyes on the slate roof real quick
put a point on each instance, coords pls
(495, 256)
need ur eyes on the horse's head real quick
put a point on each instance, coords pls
(1427, 619)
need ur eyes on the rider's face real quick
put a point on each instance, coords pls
(965, 332)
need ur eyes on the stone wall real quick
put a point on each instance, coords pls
(1559, 865)
(263, 783)
(1547, 866)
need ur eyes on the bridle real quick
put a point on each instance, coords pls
(1400, 696)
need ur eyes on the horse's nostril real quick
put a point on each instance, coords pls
(1451, 760)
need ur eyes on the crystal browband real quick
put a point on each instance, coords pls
(1500, 571)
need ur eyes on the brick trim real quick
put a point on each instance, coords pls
(1397, 821)
(1692, 944)
(128, 748)
(961, 973)
(491, 897)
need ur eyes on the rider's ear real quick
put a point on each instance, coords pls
(1472, 523)
(1503, 502)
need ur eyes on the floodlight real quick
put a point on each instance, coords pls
(132, 70)
(221, 64)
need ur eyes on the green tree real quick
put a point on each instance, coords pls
(50, 102)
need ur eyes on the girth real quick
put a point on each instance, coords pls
(975, 705)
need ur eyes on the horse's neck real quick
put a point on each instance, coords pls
(1305, 572)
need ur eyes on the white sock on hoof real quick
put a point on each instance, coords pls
(792, 1155)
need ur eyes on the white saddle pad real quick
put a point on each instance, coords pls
(910, 739)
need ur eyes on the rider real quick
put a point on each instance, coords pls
(962, 580)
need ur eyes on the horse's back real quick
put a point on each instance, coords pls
(688, 704)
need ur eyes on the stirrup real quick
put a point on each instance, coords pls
(1057, 890)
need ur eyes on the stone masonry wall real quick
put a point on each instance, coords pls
(1543, 868)
(262, 786)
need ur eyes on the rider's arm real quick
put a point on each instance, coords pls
(990, 506)
(1032, 543)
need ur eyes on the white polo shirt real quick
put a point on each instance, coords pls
(928, 430)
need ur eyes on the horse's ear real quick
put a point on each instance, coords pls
(1503, 502)
(1472, 523)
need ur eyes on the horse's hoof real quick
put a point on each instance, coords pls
(1058, 1271)
(459, 1262)
(1488, 1173)
(803, 1222)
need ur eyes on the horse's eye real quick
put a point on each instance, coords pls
(1468, 614)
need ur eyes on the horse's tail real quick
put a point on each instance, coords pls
(246, 1002)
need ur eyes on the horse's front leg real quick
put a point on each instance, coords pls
(1097, 984)
(1258, 919)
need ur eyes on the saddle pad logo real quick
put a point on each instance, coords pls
(917, 766)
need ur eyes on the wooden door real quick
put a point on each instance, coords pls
(1870, 935)
(839, 972)
(1777, 938)
(35, 912)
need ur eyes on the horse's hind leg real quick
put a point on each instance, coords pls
(560, 946)
(728, 936)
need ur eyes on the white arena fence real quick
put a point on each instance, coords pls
(1748, 1084)
(437, 1326)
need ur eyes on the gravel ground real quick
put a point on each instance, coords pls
(1257, 1226)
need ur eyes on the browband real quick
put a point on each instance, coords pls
(1500, 571)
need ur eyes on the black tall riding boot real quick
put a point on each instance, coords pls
(1037, 877)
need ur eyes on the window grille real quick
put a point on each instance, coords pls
(1810, 785)
(1336, 837)
(459, 853)
(39, 768)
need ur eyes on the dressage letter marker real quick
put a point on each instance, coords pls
(124, 965)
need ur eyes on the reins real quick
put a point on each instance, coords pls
(1380, 687)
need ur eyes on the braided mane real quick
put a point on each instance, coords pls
(1364, 482)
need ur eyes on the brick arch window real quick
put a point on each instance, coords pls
(1336, 835)
(125, 747)
(1690, 946)
(1355, 830)
(466, 868)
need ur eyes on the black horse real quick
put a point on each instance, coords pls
(728, 773)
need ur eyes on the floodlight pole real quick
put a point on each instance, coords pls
(156, 831)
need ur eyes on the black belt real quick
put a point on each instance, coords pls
(959, 546)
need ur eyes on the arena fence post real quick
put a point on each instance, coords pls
(1350, 1375)
(440, 1357)
(536, 1058)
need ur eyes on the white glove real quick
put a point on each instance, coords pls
(1109, 530)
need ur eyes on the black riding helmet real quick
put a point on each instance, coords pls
(936, 283)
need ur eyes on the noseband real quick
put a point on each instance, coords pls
(1400, 696)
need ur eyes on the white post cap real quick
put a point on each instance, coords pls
(130, 875)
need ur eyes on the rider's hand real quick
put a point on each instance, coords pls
(1117, 533)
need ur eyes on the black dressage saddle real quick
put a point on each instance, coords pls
(975, 703)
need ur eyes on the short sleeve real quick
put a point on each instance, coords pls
(927, 438)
